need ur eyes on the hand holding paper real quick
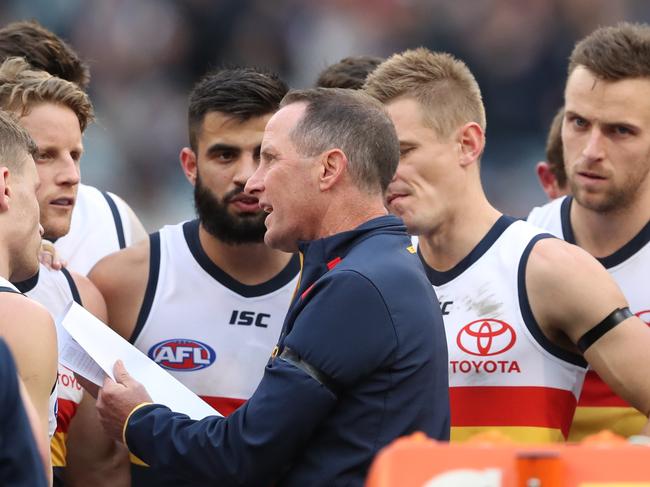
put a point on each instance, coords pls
(118, 398)
(93, 348)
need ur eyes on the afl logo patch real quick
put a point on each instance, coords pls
(486, 337)
(182, 355)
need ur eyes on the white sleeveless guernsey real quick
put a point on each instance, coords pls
(52, 411)
(100, 226)
(599, 407)
(209, 331)
(55, 290)
(504, 373)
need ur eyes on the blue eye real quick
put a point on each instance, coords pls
(579, 122)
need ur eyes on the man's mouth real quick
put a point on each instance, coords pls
(393, 197)
(63, 202)
(245, 203)
(591, 175)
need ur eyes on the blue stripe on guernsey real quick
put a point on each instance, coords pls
(152, 283)
(565, 218)
(628, 250)
(73, 286)
(621, 255)
(119, 228)
(527, 313)
(439, 278)
(191, 234)
(28, 284)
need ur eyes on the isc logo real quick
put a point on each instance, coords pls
(182, 355)
(248, 318)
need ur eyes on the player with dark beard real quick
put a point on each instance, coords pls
(206, 298)
(246, 228)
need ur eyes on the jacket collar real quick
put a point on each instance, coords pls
(320, 256)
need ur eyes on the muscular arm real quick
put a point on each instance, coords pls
(570, 293)
(92, 457)
(121, 278)
(30, 334)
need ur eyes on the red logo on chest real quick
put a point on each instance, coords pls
(486, 337)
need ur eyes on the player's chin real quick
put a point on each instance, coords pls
(56, 228)
(249, 215)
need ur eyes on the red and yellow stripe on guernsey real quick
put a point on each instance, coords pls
(65, 413)
(524, 414)
(599, 408)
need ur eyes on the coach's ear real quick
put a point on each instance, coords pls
(333, 164)
(472, 142)
(5, 190)
(188, 163)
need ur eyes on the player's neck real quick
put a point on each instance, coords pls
(602, 234)
(4, 264)
(250, 264)
(458, 233)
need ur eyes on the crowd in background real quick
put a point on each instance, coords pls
(145, 55)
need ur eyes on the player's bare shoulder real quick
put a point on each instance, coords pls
(569, 288)
(122, 278)
(31, 335)
(25, 321)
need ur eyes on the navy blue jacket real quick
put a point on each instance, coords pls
(362, 360)
(20, 463)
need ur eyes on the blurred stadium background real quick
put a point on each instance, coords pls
(146, 54)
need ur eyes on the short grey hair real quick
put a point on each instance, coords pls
(15, 143)
(353, 122)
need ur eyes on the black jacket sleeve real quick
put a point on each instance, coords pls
(253, 446)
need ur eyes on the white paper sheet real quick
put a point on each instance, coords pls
(74, 357)
(104, 347)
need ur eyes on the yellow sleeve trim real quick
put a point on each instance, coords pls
(129, 417)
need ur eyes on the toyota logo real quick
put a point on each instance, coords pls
(644, 316)
(486, 337)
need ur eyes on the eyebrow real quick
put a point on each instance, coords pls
(407, 143)
(571, 113)
(218, 148)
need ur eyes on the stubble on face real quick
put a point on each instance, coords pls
(616, 114)
(219, 222)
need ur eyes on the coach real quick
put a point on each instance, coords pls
(362, 357)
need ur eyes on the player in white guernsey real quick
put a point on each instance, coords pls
(206, 299)
(55, 112)
(25, 325)
(523, 311)
(606, 135)
(102, 223)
